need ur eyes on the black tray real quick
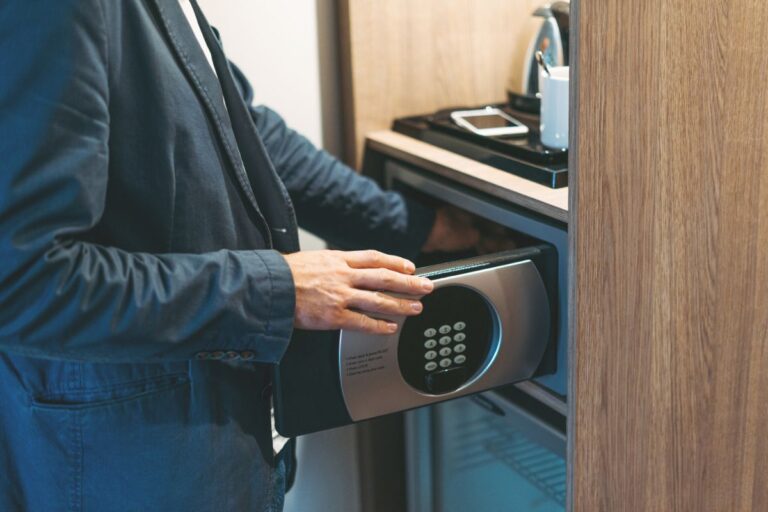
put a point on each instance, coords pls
(525, 156)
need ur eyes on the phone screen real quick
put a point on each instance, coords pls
(484, 121)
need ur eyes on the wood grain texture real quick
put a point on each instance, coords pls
(406, 57)
(670, 278)
(509, 187)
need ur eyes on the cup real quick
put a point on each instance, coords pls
(554, 107)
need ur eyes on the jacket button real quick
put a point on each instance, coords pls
(231, 354)
(201, 356)
(247, 356)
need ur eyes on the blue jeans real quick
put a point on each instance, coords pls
(285, 472)
(122, 437)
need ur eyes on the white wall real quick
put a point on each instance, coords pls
(287, 51)
(275, 43)
(279, 46)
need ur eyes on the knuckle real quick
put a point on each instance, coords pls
(345, 272)
(364, 322)
(380, 300)
(377, 326)
(346, 295)
(337, 315)
(381, 326)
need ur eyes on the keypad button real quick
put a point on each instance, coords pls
(445, 363)
(430, 366)
(445, 329)
(445, 340)
(459, 326)
(460, 337)
(430, 332)
(430, 355)
(460, 359)
(460, 348)
(445, 351)
(430, 344)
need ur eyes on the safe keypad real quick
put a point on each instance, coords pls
(447, 349)
(448, 343)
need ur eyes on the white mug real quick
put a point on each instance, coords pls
(554, 107)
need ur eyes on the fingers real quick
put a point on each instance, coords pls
(376, 259)
(459, 215)
(381, 303)
(386, 280)
(354, 321)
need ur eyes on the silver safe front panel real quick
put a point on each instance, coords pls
(372, 382)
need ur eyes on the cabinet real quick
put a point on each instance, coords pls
(505, 449)
(669, 249)
(668, 254)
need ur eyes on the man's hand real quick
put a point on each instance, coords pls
(345, 290)
(453, 231)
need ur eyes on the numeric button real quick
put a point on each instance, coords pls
(445, 329)
(460, 348)
(445, 340)
(459, 326)
(460, 336)
(430, 355)
(445, 351)
(430, 344)
(445, 363)
(430, 332)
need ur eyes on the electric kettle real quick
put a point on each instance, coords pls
(547, 31)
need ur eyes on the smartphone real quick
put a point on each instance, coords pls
(489, 122)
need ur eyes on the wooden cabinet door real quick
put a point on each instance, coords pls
(669, 231)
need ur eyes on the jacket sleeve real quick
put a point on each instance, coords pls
(61, 297)
(334, 202)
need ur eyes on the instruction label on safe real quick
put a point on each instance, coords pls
(365, 362)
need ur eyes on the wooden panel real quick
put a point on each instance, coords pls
(509, 187)
(402, 57)
(670, 227)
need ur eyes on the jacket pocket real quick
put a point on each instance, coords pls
(109, 394)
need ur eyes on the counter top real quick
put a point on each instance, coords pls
(552, 202)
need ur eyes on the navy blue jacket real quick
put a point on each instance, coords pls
(143, 294)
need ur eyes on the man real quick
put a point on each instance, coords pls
(150, 273)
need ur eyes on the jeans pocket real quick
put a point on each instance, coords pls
(109, 393)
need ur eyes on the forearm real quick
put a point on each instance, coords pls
(86, 302)
(331, 200)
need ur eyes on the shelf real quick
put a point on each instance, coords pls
(539, 198)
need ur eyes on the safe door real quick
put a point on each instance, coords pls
(488, 323)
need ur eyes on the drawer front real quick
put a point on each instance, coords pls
(487, 324)
(330, 379)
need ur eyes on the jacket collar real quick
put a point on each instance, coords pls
(195, 66)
